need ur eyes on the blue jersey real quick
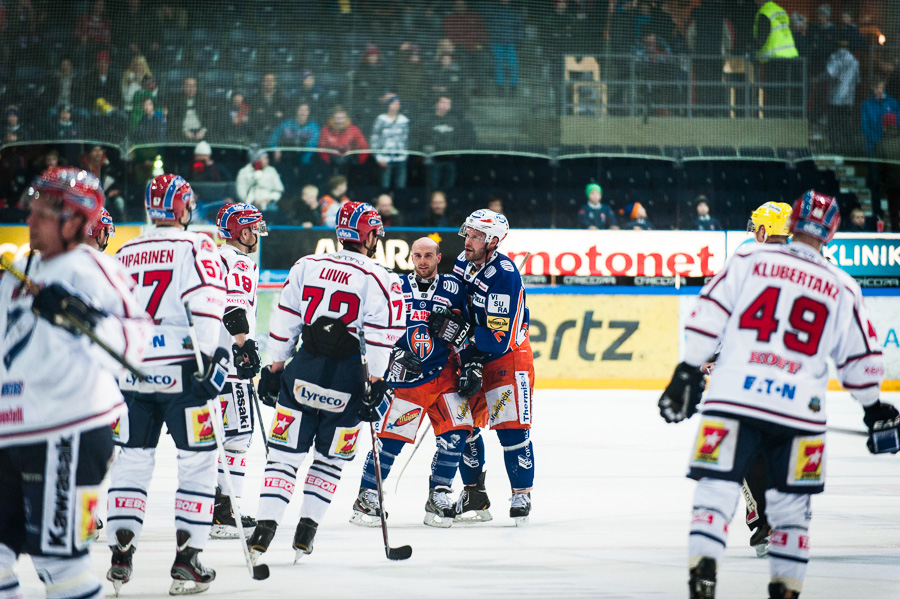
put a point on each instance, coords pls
(496, 304)
(445, 290)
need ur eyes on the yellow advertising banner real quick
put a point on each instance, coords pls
(14, 238)
(597, 341)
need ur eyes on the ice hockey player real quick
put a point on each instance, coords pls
(770, 223)
(98, 235)
(241, 226)
(170, 266)
(779, 311)
(499, 321)
(59, 389)
(425, 377)
(327, 301)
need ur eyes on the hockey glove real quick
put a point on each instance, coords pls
(269, 386)
(681, 397)
(375, 403)
(470, 379)
(883, 422)
(246, 359)
(448, 327)
(61, 307)
(210, 383)
(404, 366)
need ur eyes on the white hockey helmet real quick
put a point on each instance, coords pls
(493, 224)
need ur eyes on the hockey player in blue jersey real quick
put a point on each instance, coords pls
(499, 321)
(425, 378)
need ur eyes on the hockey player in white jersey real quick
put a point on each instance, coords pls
(780, 311)
(59, 390)
(101, 232)
(327, 301)
(241, 225)
(170, 267)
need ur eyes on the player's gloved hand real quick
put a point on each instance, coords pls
(404, 366)
(470, 378)
(61, 307)
(375, 403)
(448, 327)
(883, 422)
(681, 397)
(269, 386)
(246, 359)
(210, 383)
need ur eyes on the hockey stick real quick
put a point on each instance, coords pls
(393, 553)
(415, 449)
(260, 572)
(259, 421)
(33, 289)
(847, 431)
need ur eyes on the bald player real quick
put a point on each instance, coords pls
(428, 376)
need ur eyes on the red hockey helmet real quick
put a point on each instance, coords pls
(816, 215)
(79, 192)
(355, 220)
(167, 197)
(232, 218)
(104, 222)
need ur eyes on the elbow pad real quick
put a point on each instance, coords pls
(236, 322)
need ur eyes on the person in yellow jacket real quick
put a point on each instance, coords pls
(776, 49)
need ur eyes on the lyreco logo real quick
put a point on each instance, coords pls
(320, 398)
(160, 380)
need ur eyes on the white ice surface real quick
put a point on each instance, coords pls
(610, 519)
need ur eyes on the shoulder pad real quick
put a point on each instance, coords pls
(450, 284)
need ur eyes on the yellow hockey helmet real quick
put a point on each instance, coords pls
(775, 216)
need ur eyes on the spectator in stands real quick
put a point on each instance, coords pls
(889, 149)
(369, 82)
(100, 94)
(709, 38)
(703, 221)
(65, 128)
(131, 81)
(858, 222)
(308, 214)
(843, 71)
(873, 111)
(495, 203)
(298, 132)
(342, 135)
(595, 214)
(390, 136)
(93, 29)
(204, 169)
(636, 216)
(130, 26)
(149, 91)
(390, 216)
(267, 109)
(505, 30)
(23, 26)
(187, 116)
(62, 89)
(330, 203)
(411, 76)
(97, 163)
(236, 126)
(49, 160)
(258, 183)
(821, 39)
(313, 95)
(799, 28)
(776, 53)
(152, 126)
(442, 132)
(848, 32)
(437, 215)
(446, 79)
(465, 29)
(652, 67)
(14, 130)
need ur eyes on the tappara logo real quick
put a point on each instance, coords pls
(809, 460)
(710, 440)
(421, 342)
(281, 425)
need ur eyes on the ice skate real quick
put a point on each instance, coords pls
(303, 537)
(224, 526)
(261, 538)
(439, 509)
(473, 503)
(702, 584)
(366, 509)
(520, 507)
(759, 540)
(777, 590)
(189, 576)
(120, 568)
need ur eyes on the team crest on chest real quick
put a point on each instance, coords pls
(421, 342)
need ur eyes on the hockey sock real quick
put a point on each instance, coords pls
(714, 504)
(789, 517)
(518, 455)
(446, 459)
(9, 583)
(390, 449)
(279, 479)
(126, 500)
(472, 463)
(237, 465)
(68, 577)
(196, 495)
(321, 483)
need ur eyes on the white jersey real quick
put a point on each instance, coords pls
(241, 282)
(780, 311)
(171, 267)
(52, 380)
(345, 285)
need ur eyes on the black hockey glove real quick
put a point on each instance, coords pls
(246, 359)
(269, 386)
(404, 366)
(210, 383)
(375, 403)
(61, 307)
(470, 378)
(448, 327)
(883, 422)
(681, 397)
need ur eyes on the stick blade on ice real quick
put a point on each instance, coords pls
(398, 553)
